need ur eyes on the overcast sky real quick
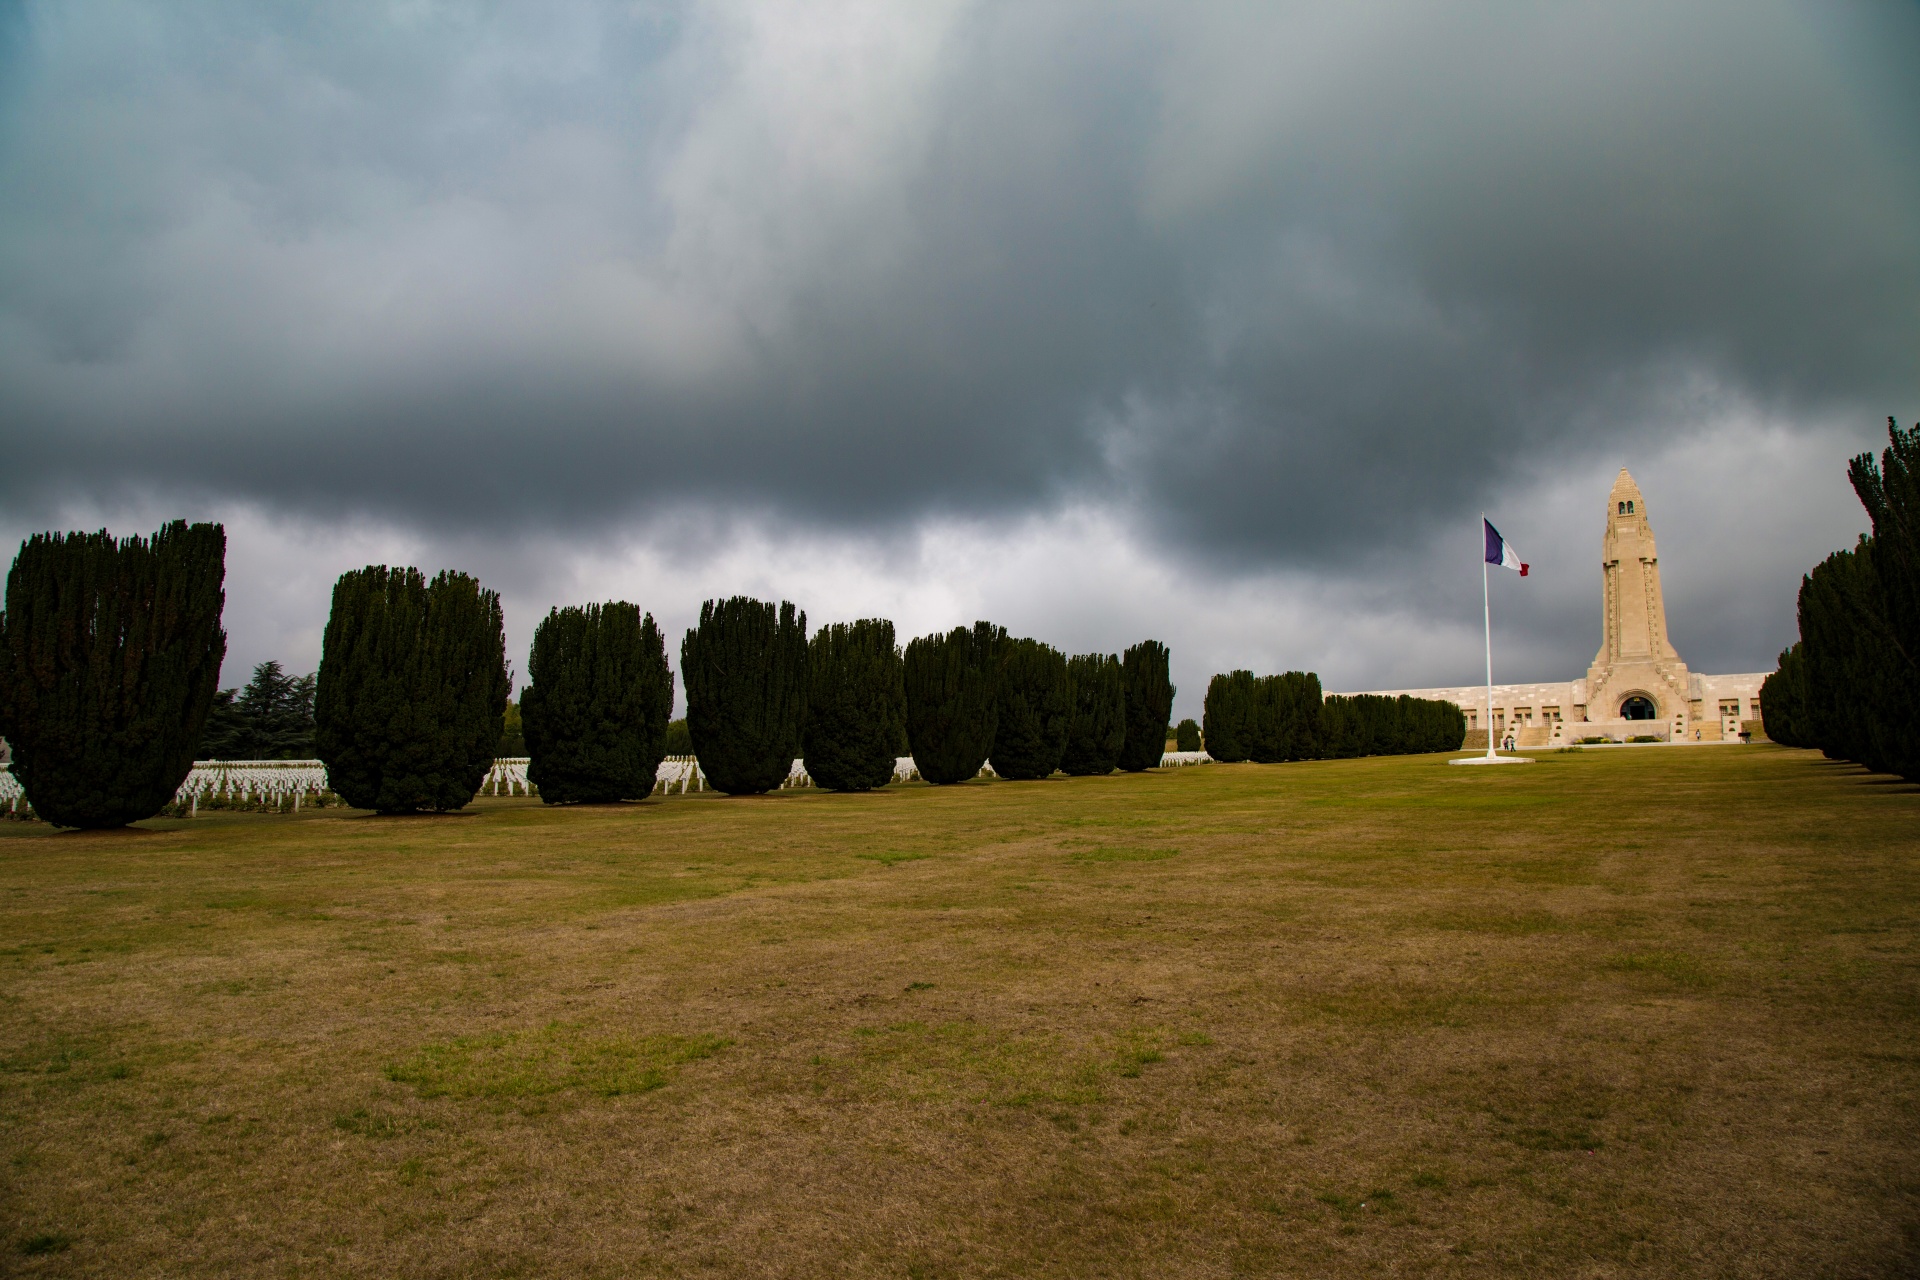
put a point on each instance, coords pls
(1215, 323)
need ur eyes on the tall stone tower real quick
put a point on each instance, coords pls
(1637, 675)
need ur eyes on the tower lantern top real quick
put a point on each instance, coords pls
(1625, 500)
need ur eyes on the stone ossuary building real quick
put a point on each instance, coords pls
(1637, 687)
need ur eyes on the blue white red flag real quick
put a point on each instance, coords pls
(1500, 551)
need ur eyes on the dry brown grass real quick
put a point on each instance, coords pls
(1622, 1013)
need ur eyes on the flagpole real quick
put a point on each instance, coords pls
(1486, 605)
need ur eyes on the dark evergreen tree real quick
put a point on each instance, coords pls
(1284, 721)
(1782, 700)
(1891, 494)
(1368, 724)
(595, 713)
(856, 705)
(1300, 730)
(226, 729)
(1273, 718)
(513, 734)
(271, 719)
(1187, 736)
(1860, 701)
(1035, 704)
(413, 688)
(110, 653)
(1228, 716)
(746, 671)
(1149, 703)
(1851, 686)
(1349, 727)
(953, 695)
(679, 741)
(1097, 729)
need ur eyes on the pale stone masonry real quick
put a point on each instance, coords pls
(1637, 686)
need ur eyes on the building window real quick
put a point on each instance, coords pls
(1623, 509)
(1629, 506)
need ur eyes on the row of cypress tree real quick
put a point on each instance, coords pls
(110, 650)
(1850, 686)
(849, 701)
(1268, 719)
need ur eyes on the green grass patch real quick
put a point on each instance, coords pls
(1122, 853)
(559, 1056)
(892, 857)
(1676, 967)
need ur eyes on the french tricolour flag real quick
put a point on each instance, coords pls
(1500, 551)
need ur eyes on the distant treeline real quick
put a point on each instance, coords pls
(270, 719)
(1268, 719)
(1850, 686)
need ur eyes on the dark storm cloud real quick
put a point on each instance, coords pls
(1281, 282)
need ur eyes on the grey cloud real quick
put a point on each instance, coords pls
(1293, 288)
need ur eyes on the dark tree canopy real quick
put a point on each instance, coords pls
(745, 666)
(1890, 491)
(1097, 727)
(1851, 685)
(1783, 700)
(953, 695)
(1036, 701)
(513, 734)
(679, 740)
(413, 686)
(1228, 716)
(1371, 724)
(1861, 697)
(595, 711)
(856, 705)
(1149, 705)
(1285, 717)
(270, 719)
(110, 653)
(1187, 736)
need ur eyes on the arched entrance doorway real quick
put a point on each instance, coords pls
(1638, 708)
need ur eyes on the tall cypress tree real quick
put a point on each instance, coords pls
(856, 705)
(953, 696)
(1783, 698)
(1035, 703)
(1851, 686)
(413, 685)
(1149, 705)
(1227, 717)
(746, 671)
(1890, 492)
(1097, 729)
(1186, 737)
(1861, 704)
(595, 714)
(109, 656)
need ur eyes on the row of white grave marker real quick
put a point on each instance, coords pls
(276, 780)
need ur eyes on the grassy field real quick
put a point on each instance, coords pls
(1645, 1012)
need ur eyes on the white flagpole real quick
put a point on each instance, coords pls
(1486, 604)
